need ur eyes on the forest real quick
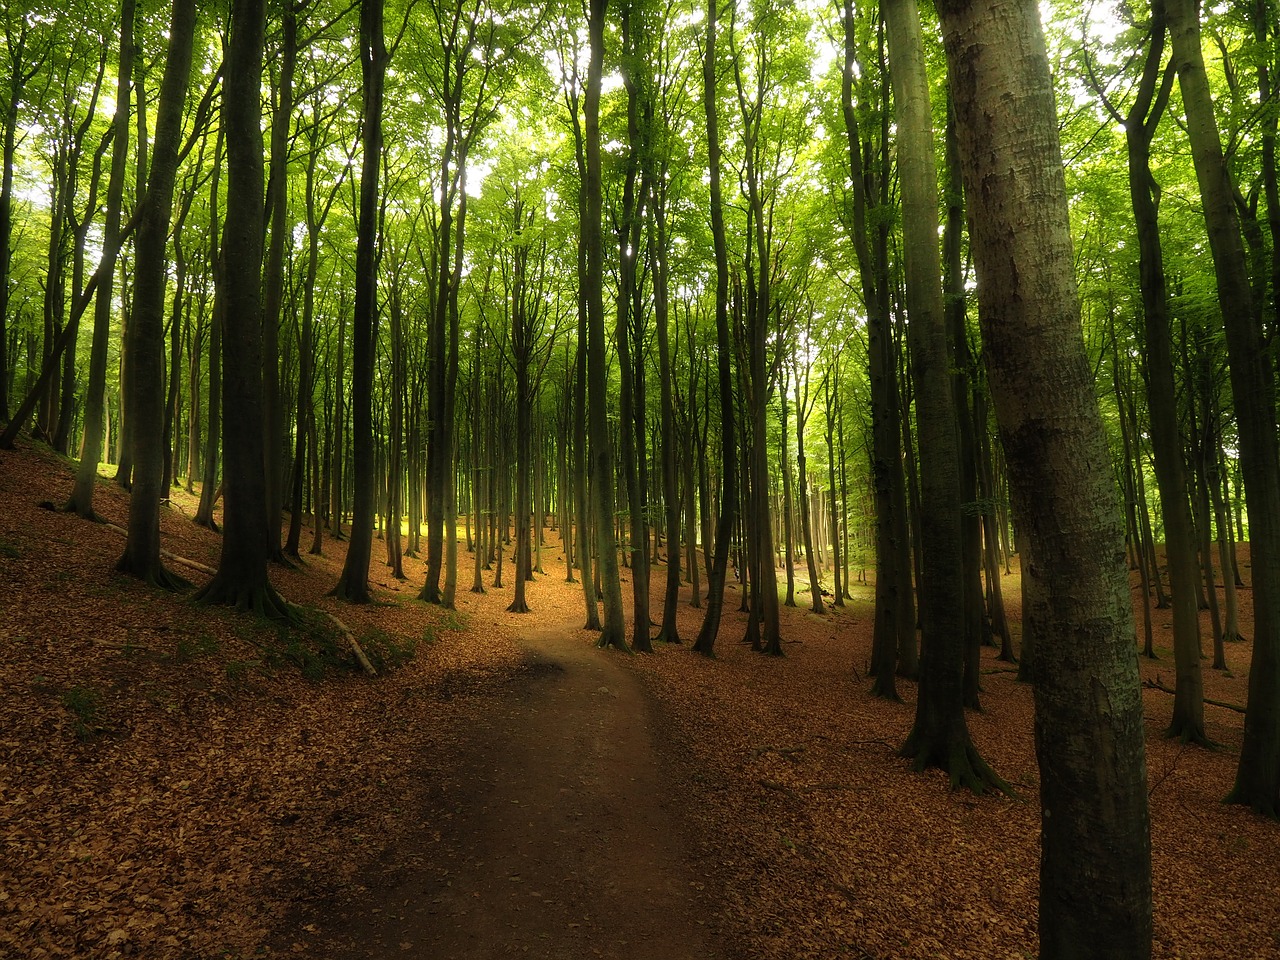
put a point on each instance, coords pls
(952, 325)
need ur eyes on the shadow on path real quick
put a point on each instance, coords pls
(555, 832)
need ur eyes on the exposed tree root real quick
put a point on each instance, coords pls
(260, 600)
(1269, 808)
(351, 590)
(1190, 735)
(71, 506)
(956, 755)
(669, 634)
(282, 559)
(885, 685)
(167, 554)
(610, 639)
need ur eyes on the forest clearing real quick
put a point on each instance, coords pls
(174, 787)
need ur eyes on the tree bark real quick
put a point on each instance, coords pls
(81, 500)
(1095, 875)
(601, 449)
(242, 579)
(1162, 406)
(145, 345)
(1258, 773)
(705, 643)
(353, 583)
(940, 736)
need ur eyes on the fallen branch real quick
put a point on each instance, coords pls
(353, 642)
(787, 752)
(794, 792)
(169, 554)
(1158, 685)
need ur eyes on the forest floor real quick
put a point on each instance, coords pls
(187, 782)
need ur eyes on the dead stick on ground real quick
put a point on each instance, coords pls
(350, 637)
(168, 554)
(1157, 685)
(355, 644)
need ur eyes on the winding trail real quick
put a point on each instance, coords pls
(557, 833)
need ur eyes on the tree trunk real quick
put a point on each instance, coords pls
(894, 631)
(705, 643)
(209, 488)
(1162, 405)
(81, 500)
(1095, 875)
(837, 570)
(145, 398)
(601, 448)
(788, 534)
(804, 406)
(273, 282)
(242, 579)
(353, 583)
(940, 736)
(1258, 773)
(670, 632)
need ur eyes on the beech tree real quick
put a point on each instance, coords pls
(1252, 383)
(145, 398)
(613, 633)
(81, 500)
(940, 736)
(241, 579)
(353, 584)
(1076, 602)
(718, 567)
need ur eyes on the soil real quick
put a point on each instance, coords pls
(549, 831)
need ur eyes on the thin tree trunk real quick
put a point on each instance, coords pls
(145, 399)
(1258, 773)
(353, 583)
(81, 500)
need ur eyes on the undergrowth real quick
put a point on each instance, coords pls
(85, 706)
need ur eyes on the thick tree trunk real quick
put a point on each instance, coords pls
(242, 579)
(1095, 876)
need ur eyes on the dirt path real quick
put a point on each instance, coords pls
(555, 834)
